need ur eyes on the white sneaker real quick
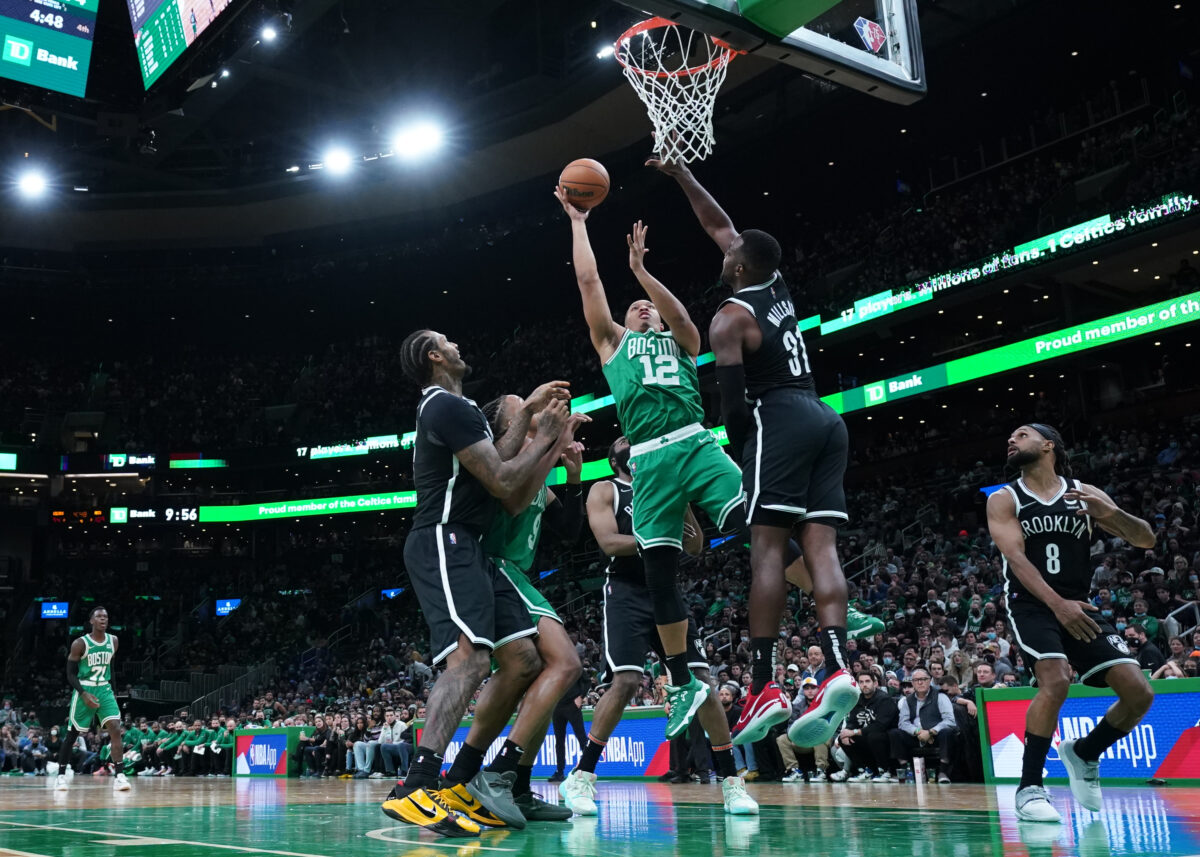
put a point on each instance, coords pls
(1084, 777)
(818, 777)
(885, 777)
(60, 783)
(737, 802)
(838, 777)
(578, 792)
(120, 784)
(793, 776)
(374, 776)
(1033, 804)
(863, 776)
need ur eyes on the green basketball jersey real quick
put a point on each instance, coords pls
(655, 385)
(516, 538)
(95, 667)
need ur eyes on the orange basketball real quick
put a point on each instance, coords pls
(585, 182)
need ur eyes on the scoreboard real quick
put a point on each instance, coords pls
(48, 43)
(164, 29)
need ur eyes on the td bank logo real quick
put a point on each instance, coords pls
(17, 50)
(22, 52)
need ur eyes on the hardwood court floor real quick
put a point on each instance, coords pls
(332, 818)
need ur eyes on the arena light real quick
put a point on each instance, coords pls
(418, 140)
(338, 161)
(605, 52)
(32, 183)
(269, 33)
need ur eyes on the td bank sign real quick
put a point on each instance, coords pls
(23, 52)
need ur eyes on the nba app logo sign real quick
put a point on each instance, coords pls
(17, 50)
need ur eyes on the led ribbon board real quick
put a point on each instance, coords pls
(48, 43)
(303, 508)
(1091, 233)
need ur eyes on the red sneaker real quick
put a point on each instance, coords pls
(818, 724)
(763, 710)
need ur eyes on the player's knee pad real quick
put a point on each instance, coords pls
(661, 564)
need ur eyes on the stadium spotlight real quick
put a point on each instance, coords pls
(32, 183)
(338, 161)
(417, 140)
(604, 52)
(269, 33)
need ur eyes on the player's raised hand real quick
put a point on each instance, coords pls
(572, 459)
(1073, 615)
(674, 169)
(573, 212)
(546, 393)
(637, 246)
(1096, 503)
(573, 423)
(552, 419)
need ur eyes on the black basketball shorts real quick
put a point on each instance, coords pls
(630, 632)
(795, 460)
(1042, 637)
(461, 592)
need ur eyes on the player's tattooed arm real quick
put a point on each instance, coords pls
(1010, 539)
(606, 333)
(510, 443)
(669, 307)
(1112, 517)
(504, 478)
(73, 659)
(708, 211)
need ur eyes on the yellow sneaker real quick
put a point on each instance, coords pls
(427, 810)
(462, 801)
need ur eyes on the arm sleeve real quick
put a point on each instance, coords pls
(732, 383)
(564, 519)
(454, 423)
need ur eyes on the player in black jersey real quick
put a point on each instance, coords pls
(1042, 523)
(794, 449)
(473, 611)
(630, 631)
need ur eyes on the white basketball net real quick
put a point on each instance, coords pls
(676, 72)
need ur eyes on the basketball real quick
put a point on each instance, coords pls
(585, 182)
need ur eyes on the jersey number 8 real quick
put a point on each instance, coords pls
(1053, 563)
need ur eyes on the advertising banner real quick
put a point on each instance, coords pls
(1165, 745)
(264, 752)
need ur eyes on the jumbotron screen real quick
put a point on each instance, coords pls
(164, 29)
(48, 43)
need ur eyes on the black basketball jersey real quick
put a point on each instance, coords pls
(782, 359)
(447, 493)
(626, 567)
(1057, 542)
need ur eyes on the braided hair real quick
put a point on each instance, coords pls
(1062, 460)
(414, 356)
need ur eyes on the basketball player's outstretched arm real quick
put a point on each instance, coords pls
(510, 443)
(565, 449)
(603, 522)
(1112, 517)
(606, 333)
(712, 217)
(669, 307)
(1008, 536)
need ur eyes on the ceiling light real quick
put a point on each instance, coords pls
(338, 161)
(418, 140)
(269, 33)
(605, 52)
(32, 183)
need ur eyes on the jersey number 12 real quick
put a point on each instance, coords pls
(662, 370)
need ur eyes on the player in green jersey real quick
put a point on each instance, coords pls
(676, 461)
(511, 543)
(89, 672)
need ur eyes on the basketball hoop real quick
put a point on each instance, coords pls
(676, 72)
